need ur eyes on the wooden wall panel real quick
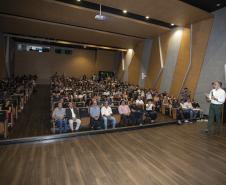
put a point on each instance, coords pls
(201, 32)
(182, 63)
(2, 58)
(134, 67)
(154, 63)
(81, 62)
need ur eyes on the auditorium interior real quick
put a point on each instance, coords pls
(112, 92)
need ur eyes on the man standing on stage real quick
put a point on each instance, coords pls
(217, 98)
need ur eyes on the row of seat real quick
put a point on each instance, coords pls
(17, 102)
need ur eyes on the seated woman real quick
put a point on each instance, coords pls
(124, 111)
(150, 109)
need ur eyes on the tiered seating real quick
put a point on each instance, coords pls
(14, 94)
(83, 91)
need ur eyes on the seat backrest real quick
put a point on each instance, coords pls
(84, 112)
(2, 116)
(116, 103)
(80, 104)
(115, 110)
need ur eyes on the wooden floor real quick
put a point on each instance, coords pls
(166, 155)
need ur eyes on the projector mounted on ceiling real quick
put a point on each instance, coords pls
(99, 16)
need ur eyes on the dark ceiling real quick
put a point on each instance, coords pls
(96, 6)
(207, 5)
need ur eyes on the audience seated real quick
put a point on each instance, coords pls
(59, 118)
(72, 116)
(124, 112)
(150, 110)
(108, 97)
(106, 113)
(96, 120)
(188, 110)
(137, 110)
(14, 94)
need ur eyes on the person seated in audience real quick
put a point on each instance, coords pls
(107, 114)
(157, 102)
(136, 113)
(197, 109)
(179, 111)
(148, 95)
(8, 108)
(187, 110)
(124, 112)
(167, 103)
(109, 100)
(58, 117)
(95, 117)
(72, 115)
(139, 101)
(150, 110)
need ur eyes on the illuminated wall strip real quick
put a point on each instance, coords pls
(161, 63)
(190, 61)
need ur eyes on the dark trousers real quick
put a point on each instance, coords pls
(62, 125)
(96, 124)
(180, 114)
(214, 112)
(137, 117)
(152, 114)
(125, 119)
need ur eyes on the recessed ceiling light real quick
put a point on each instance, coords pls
(147, 17)
(172, 24)
(218, 4)
(78, 0)
(124, 11)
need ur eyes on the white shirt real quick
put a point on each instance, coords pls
(73, 113)
(187, 105)
(219, 94)
(149, 107)
(106, 111)
(148, 96)
(139, 102)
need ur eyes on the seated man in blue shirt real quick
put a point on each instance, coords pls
(95, 119)
(59, 118)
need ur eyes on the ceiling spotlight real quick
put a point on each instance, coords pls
(124, 11)
(78, 0)
(147, 17)
(172, 24)
(218, 4)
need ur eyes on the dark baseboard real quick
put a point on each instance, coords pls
(57, 137)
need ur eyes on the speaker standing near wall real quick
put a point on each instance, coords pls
(217, 98)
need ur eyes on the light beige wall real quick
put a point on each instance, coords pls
(2, 57)
(134, 67)
(82, 61)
